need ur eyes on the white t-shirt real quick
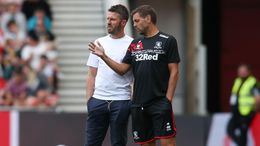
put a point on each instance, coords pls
(108, 84)
(36, 52)
(48, 70)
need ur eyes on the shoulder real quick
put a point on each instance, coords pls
(254, 80)
(46, 18)
(128, 38)
(26, 48)
(5, 15)
(104, 38)
(136, 40)
(167, 36)
(42, 45)
(31, 20)
(20, 15)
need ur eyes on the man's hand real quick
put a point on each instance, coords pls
(170, 99)
(97, 49)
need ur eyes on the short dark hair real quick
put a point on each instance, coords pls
(144, 11)
(18, 70)
(33, 35)
(44, 57)
(11, 22)
(121, 10)
(39, 9)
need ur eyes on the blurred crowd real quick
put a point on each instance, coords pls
(28, 55)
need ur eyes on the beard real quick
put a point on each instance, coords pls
(114, 30)
(142, 31)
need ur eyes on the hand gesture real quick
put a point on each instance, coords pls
(96, 49)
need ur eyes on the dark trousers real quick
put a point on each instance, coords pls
(238, 127)
(101, 115)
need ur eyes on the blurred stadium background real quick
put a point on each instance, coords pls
(214, 37)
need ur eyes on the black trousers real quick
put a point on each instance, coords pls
(238, 126)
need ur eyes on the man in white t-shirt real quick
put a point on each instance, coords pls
(108, 93)
(31, 53)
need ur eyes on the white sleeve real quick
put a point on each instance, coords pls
(4, 21)
(48, 71)
(25, 54)
(93, 60)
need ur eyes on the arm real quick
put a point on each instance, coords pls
(256, 93)
(90, 81)
(174, 75)
(22, 22)
(120, 68)
(4, 22)
(26, 55)
(31, 23)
